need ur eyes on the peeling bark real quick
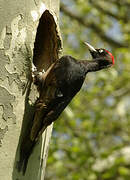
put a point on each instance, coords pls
(17, 35)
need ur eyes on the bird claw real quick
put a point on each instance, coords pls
(35, 72)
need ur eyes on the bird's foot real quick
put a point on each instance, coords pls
(35, 72)
(40, 105)
(37, 75)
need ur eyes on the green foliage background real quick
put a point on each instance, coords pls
(91, 139)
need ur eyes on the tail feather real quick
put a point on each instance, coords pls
(25, 151)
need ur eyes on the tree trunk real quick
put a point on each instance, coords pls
(19, 22)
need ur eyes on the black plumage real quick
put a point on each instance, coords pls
(57, 87)
(61, 83)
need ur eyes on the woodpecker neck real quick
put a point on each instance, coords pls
(95, 65)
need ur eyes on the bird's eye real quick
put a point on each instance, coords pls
(101, 51)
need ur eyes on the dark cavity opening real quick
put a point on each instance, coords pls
(47, 42)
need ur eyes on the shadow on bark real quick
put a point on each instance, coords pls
(19, 163)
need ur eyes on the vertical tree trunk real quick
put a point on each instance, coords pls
(19, 21)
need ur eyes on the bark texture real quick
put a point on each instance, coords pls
(19, 22)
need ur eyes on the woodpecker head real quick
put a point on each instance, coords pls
(101, 54)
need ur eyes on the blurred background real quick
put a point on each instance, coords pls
(91, 139)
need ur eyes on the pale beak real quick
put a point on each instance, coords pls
(91, 48)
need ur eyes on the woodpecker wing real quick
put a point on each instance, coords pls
(49, 106)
